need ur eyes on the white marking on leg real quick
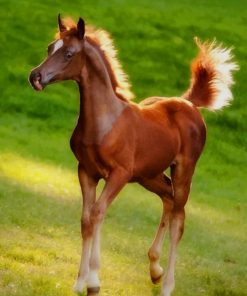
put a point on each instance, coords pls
(79, 285)
(84, 267)
(57, 45)
(93, 279)
(169, 281)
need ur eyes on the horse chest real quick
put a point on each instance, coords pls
(88, 155)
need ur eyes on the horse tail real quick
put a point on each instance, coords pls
(211, 79)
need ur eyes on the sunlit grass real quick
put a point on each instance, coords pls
(39, 177)
(213, 219)
(41, 246)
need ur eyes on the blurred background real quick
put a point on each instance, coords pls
(40, 200)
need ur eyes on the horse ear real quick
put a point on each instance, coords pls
(61, 26)
(81, 28)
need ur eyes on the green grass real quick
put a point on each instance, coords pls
(39, 193)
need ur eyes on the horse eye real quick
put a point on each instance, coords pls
(68, 54)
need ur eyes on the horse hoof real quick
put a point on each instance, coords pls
(157, 280)
(93, 291)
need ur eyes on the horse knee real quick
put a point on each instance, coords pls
(86, 226)
(178, 211)
(97, 214)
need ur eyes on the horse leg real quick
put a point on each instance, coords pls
(162, 186)
(88, 186)
(114, 184)
(93, 283)
(181, 175)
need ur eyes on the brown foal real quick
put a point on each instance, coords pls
(122, 142)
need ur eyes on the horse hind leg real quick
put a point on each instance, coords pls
(162, 186)
(181, 175)
(156, 271)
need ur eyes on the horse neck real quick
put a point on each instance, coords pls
(99, 105)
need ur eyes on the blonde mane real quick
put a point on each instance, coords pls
(103, 41)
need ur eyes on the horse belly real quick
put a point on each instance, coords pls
(156, 152)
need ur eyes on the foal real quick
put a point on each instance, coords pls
(122, 142)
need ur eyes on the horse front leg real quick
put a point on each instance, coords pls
(93, 282)
(116, 181)
(88, 187)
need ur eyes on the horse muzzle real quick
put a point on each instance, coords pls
(35, 80)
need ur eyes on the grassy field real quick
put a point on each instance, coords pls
(39, 193)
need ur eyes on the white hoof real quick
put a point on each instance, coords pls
(79, 285)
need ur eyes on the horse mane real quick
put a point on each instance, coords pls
(104, 43)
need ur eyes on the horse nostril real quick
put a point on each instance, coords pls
(34, 76)
(38, 76)
(35, 80)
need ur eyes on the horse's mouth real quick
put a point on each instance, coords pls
(37, 85)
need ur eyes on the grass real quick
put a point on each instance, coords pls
(39, 193)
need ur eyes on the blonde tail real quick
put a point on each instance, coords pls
(211, 76)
